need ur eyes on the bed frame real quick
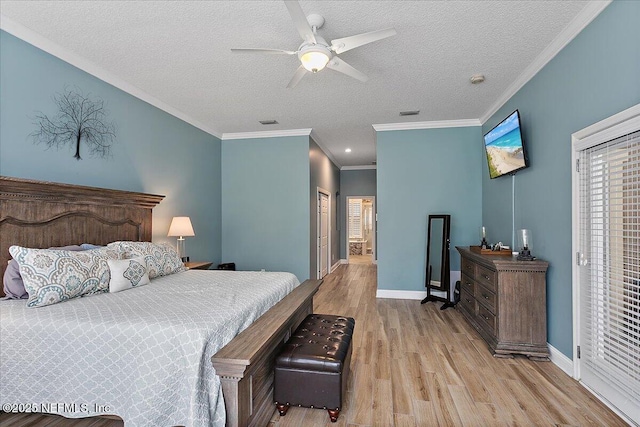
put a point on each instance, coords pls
(41, 214)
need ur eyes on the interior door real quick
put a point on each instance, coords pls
(324, 235)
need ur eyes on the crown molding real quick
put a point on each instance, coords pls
(324, 149)
(584, 18)
(427, 125)
(52, 48)
(279, 134)
(266, 134)
(358, 168)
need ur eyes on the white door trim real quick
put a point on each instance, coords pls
(327, 193)
(374, 258)
(605, 130)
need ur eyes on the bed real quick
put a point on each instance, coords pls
(202, 369)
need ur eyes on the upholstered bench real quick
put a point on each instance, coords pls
(313, 367)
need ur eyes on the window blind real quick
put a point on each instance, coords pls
(610, 278)
(355, 218)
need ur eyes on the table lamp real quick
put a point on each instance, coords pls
(181, 227)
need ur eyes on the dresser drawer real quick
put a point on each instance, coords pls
(487, 318)
(467, 302)
(467, 267)
(486, 277)
(485, 297)
(467, 285)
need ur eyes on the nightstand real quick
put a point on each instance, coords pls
(198, 265)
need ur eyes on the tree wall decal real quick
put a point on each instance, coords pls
(79, 119)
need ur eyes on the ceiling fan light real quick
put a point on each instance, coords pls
(314, 60)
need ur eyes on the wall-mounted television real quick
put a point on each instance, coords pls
(504, 146)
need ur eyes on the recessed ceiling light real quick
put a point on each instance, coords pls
(268, 122)
(410, 113)
(476, 79)
(348, 150)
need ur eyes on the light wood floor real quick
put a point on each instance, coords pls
(360, 259)
(414, 365)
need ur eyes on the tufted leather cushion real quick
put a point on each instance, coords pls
(313, 367)
(320, 344)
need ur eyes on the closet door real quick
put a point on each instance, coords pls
(609, 271)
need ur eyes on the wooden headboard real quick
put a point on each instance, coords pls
(38, 214)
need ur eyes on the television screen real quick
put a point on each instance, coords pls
(505, 149)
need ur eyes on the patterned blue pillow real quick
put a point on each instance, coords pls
(127, 274)
(52, 276)
(162, 259)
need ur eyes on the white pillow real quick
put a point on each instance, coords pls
(127, 274)
(52, 276)
(162, 259)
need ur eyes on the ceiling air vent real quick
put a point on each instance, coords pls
(410, 113)
(268, 122)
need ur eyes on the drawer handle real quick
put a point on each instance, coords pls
(468, 300)
(484, 296)
(485, 318)
(485, 277)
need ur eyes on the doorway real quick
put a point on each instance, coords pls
(323, 249)
(361, 230)
(606, 276)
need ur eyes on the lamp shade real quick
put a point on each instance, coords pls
(180, 227)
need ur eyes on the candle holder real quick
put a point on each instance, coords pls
(524, 243)
(483, 236)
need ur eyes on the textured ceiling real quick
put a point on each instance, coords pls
(179, 53)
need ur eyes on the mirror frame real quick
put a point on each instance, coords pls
(445, 274)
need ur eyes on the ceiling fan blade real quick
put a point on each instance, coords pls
(347, 43)
(300, 72)
(300, 21)
(268, 51)
(338, 64)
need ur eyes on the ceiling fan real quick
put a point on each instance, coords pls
(315, 53)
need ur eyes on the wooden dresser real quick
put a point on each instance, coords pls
(505, 301)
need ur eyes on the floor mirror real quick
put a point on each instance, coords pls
(437, 263)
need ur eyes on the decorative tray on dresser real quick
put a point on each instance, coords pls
(505, 301)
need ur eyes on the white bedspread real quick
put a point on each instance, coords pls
(143, 354)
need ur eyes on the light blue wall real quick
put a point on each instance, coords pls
(353, 183)
(422, 172)
(594, 77)
(326, 175)
(265, 204)
(154, 152)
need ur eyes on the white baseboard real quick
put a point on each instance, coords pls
(375, 261)
(334, 266)
(397, 294)
(454, 276)
(560, 360)
(343, 261)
